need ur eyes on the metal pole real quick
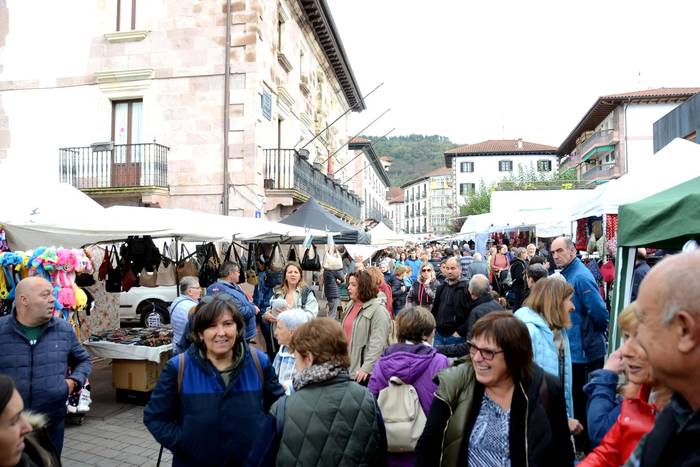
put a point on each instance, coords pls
(371, 143)
(227, 92)
(341, 116)
(358, 134)
(356, 174)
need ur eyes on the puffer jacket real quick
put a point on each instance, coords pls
(636, 419)
(589, 320)
(335, 423)
(538, 433)
(39, 371)
(602, 403)
(208, 423)
(370, 335)
(545, 352)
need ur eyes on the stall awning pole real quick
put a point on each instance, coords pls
(624, 269)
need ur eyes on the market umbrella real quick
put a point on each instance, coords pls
(312, 215)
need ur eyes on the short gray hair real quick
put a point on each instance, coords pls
(520, 251)
(479, 285)
(187, 283)
(293, 318)
(477, 257)
(227, 268)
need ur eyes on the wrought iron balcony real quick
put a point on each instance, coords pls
(599, 139)
(109, 165)
(286, 170)
(602, 172)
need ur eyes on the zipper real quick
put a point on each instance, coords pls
(444, 432)
(31, 376)
(527, 409)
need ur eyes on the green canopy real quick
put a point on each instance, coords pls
(665, 220)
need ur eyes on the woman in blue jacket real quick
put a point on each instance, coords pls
(546, 315)
(210, 402)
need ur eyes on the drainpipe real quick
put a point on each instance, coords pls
(627, 167)
(227, 93)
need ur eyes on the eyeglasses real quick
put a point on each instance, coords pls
(426, 270)
(486, 354)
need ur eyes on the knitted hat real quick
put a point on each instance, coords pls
(7, 388)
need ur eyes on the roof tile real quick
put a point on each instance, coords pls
(496, 146)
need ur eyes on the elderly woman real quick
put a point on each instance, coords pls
(287, 323)
(293, 293)
(423, 290)
(366, 325)
(210, 401)
(546, 315)
(645, 397)
(329, 420)
(498, 408)
(414, 361)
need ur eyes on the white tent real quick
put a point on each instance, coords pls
(382, 235)
(676, 163)
(478, 223)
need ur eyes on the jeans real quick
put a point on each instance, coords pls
(333, 304)
(55, 433)
(579, 377)
(449, 340)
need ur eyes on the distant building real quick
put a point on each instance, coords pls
(681, 122)
(396, 208)
(491, 161)
(616, 132)
(429, 203)
(367, 178)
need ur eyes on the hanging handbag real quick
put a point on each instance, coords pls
(186, 266)
(276, 261)
(148, 278)
(311, 262)
(129, 278)
(209, 272)
(113, 276)
(251, 273)
(237, 260)
(292, 255)
(104, 266)
(166, 269)
(332, 260)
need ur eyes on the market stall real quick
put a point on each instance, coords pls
(665, 220)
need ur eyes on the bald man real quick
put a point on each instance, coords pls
(36, 350)
(668, 311)
(452, 305)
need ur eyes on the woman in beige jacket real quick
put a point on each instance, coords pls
(367, 325)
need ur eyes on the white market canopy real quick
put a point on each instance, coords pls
(676, 163)
(382, 235)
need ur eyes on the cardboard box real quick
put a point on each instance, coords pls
(137, 375)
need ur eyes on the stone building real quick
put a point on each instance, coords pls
(429, 204)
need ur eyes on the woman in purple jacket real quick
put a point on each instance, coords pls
(413, 360)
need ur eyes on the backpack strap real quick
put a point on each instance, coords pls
(256, 360)
(180, 371)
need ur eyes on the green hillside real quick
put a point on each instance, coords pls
(413, 155)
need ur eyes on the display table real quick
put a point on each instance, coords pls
(134, 367)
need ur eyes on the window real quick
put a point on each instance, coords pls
(505, 166)
(466, 167)
(126, 15)
(466, 189)
(544, 166)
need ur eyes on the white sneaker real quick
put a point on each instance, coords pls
(84, 401)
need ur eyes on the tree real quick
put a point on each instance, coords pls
(529, 179)
(477, 202)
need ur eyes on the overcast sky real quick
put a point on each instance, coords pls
(476, 70)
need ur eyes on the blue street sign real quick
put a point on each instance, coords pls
(258, 215)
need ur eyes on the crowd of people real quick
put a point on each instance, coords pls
(437, 356)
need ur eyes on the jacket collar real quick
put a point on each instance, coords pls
(571, 265)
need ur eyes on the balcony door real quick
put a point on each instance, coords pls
(127, 131)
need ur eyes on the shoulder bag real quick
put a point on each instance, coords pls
(186, 266)
(166, 269)
(310, 261)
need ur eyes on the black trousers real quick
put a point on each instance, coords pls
(579, 376)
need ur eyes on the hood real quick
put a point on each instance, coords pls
(530, 316)
(407, 361)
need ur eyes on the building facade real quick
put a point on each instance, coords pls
(429, 203)
(681, 122)
(617, 131)
(369, 180)
(175, 103)
(490, 161)
(396, 208)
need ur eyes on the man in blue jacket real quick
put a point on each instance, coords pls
(36, 349)
(414, 263)
(229, 274)
(589, 325)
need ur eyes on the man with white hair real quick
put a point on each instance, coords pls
(284, 363)
(668, 312)
(190, 293)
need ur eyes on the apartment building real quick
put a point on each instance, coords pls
(369, 180)
(617, 131)
(429, 203)
(178, 103)
(395, 197)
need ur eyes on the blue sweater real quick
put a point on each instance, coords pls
(545, 351)
(246, 308)
(39, 371)
(589, 321)
(414, 264)
(208, 423)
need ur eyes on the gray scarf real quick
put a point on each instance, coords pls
(317, 374)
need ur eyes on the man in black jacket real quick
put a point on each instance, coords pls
(451, 306)
(482, 304)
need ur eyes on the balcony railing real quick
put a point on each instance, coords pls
(114, 166)
(602, 172)
(597, 139)
(285, 169)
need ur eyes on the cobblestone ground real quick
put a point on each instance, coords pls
(120, 440)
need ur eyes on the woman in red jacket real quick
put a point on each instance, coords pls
(637, 412)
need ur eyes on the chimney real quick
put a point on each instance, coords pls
(520, 143)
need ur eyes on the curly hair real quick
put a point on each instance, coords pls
(367, 288)
(324, 340)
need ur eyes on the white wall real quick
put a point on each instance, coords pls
(640, 129)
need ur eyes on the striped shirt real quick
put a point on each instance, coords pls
(489, 445)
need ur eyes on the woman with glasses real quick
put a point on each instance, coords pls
(210, 402)
(366, 324)
(423, 290)
(498, 408)
(293, 293)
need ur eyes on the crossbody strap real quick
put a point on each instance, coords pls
(180, 372)
(256, 360)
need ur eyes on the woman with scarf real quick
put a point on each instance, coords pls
(423, 290)
(330, 419)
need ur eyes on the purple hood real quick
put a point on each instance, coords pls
(414, 364)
